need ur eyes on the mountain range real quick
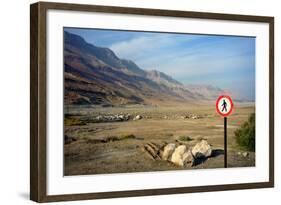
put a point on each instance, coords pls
(95, 75)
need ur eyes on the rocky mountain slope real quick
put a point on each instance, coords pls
(95, 75)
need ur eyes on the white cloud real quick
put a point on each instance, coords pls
(140, 47)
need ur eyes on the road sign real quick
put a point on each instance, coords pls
(224, 105)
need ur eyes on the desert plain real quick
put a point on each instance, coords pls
(98, 142)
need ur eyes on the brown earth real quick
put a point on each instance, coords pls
(116, 147)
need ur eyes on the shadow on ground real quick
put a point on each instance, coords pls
(215, 153)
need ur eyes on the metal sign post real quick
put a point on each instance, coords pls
(225, 142)
(224, 107)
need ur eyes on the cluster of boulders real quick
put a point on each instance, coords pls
(112, 118)
(116, 118)
(126, 117)
(184, 156)
(191, 116)
(185, 116)
(181, 154)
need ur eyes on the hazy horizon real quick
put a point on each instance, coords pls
(226, 62)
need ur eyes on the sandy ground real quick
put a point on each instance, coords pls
(158, 125)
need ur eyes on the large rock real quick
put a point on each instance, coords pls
(202, 149)
(177, 156)
(168, 151)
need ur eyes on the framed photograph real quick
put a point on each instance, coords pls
(134, 102)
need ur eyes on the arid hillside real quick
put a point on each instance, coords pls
(95, 75)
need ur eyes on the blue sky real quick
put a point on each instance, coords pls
(227, 62)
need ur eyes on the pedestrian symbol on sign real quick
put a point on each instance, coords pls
(224, 105)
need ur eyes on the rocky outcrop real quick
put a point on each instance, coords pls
(179, 154)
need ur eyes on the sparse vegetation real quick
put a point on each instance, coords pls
(245, 135)
(117, 147)
(127, 136)
(110, 139)
(73, 122)
(184, 138)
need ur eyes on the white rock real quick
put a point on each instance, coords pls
(168, 151)
(245, 154)
(177, 156)
(202, 149)
(99, 117)
(138, 117)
